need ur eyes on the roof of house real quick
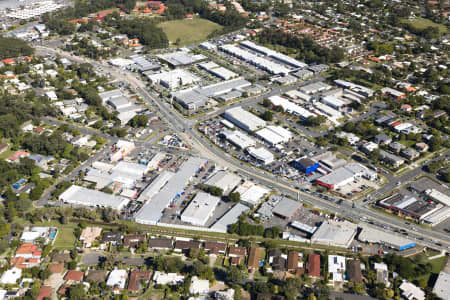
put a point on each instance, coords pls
(44, 292)
(61, 257)
(74, 275)
(136, 276)
(97, 275)
(187, 245)
(292, 261)
(56, 267)
(254, 257)
(29, 248)
(238, 251)
(354, 270)
(314, 265)
(215, 247)
(160, 243)
(133, 239)
(111, 236)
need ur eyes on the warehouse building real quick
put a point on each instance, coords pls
(230, 217)
(181, 58)
(173, 79)
(152, 211)
(251, 194)
(334, 233)
(200, 209)
(77, 195)
(437, 196)
(344, 175)
(244, 119)
(333, 102)
(274, 54)
(274, 135)
(261, 155)
(157, 184)
(305, 165)
(256, 60)
(290, 107)
(314, 88)
(297, 95)
(385, 238)
(438, 216)
(303, 227)
(143, 65)
(218, 71)
(286, 208)
(225, 180)
(239, 139)
(410, 206)
(190, 99)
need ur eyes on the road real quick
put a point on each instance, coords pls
(184, 128)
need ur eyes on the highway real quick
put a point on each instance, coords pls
(184, 128)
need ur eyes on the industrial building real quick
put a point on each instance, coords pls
(334, 233)
(333, 102)
(230, 217)
(173, 79)
(290, 107)
(190, 99)
(143, 65)
(314, 88)
(225, 180)
(385, 238)
(286, 208)
(437, 196)
(239, 139)
(218, 71)
(438, 216)
(305, 165)
(274, 135)
(77, 195)
(345, 175)
(121, 149)
(35, 9)
(261, 155)
(152, 211)
(244, 119)
(181, 58)
(200, 209)
(155, 186)
(303, 227)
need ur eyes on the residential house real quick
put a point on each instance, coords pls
(421, 147)
(292, 262)
(396, 147)
(354, 270)
(160, 244)
(167, 278)
(215, 247)
(382, 139)
(44, 293)
(382, 273)
(336, 267)
(199, 286)
(113, 237)
(133, 240)
(410, 154)
(96, 276)
(11, 276)
(136, 279)
(313, 265)
(74, 276)
(117, 279)
(235, 251)
(89, 235)
(254, 258)
(411, 292)
(181, 246)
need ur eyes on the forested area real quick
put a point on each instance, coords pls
(12, 47)
(305, 48)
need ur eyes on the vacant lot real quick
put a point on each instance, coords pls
(65, 238)
(421, 23)
(188, 31)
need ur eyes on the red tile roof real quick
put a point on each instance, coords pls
(314, 265)
(74, 275)
(44, 292)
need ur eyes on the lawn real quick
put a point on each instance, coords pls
(188, 31)
(421, 23)
(65, 238)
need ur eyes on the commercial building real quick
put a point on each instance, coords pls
(345, 175)
(121, 149)
(181, 58)
(77, 195)
(225, 180)
(286, 208)
(336, 267)
(305, 165)
(438, 216)
(239, 139)
(261, 155)
(375, 236)
(173, 79)
(334, 233)
(274, 135)
(251, 194)
(230, 217)
(152, 211)
(244, 119)
(190, 99)
(409, 206)
(200, 209)
(143, 65)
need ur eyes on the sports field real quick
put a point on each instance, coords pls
(421, 23)
(188, 31)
